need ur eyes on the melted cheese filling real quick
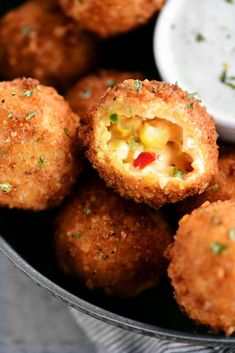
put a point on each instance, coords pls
(129, 137)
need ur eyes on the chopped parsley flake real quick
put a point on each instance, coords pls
(28, 93)
(30, 116)
(178, 173)
(111, 83)
(190, 105)
(86, 94)
(138, 85)
(41, 161)
(200, 37)
(6, 188)
(113, 118)
(76, 235)
(218, 248)
(104, 257)
(225, 79)
(214, 187)
(67, 133)
(86, 211)
(133, 142)
(26, 31)
(229, 1)
(231, 233)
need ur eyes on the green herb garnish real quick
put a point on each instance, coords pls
(229, 1)
(67, 133)
(113, 118)
(86, 211)
(178, 173)
(6, 188)
(217, 248)
(111, 83)
(192, 95)
(200, 37)
(214, 187)
(231, 233)
(190, 105)
(41, 161)
(86, 94)
(30, 116)
(133, 142)
(28, 93)
(225, 79)
(138, 85)
(76, 235)
(26, 30)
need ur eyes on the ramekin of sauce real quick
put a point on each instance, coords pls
(194, 45)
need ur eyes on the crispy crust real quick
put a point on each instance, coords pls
(85, 94)
(110, 17)
(221, 187)
(121, 244)
(144, 189)
(37, 158)
(37, 41)
(203, 280)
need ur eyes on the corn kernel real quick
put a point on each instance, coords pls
(154, 137)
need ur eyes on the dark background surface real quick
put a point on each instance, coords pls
(31, 234)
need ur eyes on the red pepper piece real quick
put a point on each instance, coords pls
(144, 159)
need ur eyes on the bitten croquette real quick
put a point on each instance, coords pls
(152, 142)
(38, 147)
(221, 187)
(111, 244)
(202, 267)
(36, 40)
(108, 18)
(87, 92)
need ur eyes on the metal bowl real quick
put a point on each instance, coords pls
(26, 238)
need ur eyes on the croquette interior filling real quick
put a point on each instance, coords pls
(149, 144)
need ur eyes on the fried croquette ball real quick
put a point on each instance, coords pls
(221, 187)
(87, 92)
(111, 244)
(110, 17)
(152, 142)
(202, 267)
(38, 163)
(37, 41)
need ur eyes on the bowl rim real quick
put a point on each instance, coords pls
(105, 315)
(164, 60)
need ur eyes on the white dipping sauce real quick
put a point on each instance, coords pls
(202, 40)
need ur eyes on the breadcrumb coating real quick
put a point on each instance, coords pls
(111, 244)
(108, 18)
(152, 142)
(202, 267)
(38, 146)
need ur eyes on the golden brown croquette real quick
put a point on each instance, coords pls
(202, 268)
(152, 142)
(110, 17)
(38, 163)
(221, 187)
(86, 93)
(109, 243)
(37, 41)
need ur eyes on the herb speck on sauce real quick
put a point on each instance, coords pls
(2, 153)
(229, 1)
(26, 30)
(190, 105)
(214, 187)
(225, 79)
(67, 133)
(41, 161)
(217, 248)
(200, 37)
(86, 211)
